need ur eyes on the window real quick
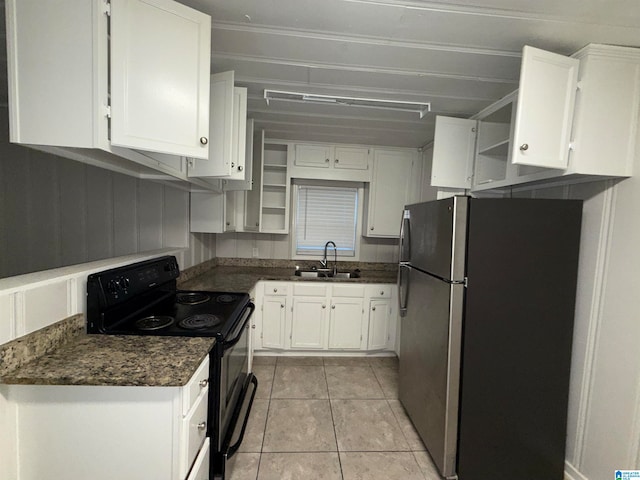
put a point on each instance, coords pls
(326, 213)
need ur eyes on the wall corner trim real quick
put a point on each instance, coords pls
(572, 473)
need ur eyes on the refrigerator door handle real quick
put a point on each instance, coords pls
(403, 288)
(405, 237)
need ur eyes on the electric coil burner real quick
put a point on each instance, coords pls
(192, 298)
(200, 321)
(142, 299)
(153, 322)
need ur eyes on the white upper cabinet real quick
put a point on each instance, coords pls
(228, 123)
(544, 111)
(351, 158)
(158, 49)
(331, 162)
(454, 148)
(113, 80)
(553, 126)
(395, 173)
(309, 155)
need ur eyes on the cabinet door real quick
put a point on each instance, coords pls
(378, 324)
(309, 323)
(207, 212)
(453, 152)
(313, 156)
(160, 55)
(239, 141)
(230, 205)
(252, 200)
(221, 134)
(351, 158)
(345, 323)
(392, 173)
(546, 98)
(274, 311)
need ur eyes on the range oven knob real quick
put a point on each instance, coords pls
(113, 286)
(125, 282)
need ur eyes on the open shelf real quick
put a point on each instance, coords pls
(499, 149)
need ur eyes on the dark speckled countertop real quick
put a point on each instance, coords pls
(242, 278)
(116, 360)
(62, 354)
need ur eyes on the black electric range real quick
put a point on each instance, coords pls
(143, 299)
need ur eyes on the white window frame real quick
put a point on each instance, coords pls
(294, 214)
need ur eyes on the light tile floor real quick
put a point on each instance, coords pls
(329, 418)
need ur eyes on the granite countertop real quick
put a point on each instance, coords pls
(115, 360)
(242, 278)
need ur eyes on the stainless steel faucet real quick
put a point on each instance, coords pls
(323, 262)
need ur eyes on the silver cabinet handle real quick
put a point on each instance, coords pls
(202, 425)
(326, 160)
(337, 161)
(240, 168)
(275, 290)
(203, 383)
(324, 306)
(371, 228)
(524, 146)
(282, 305)
(253, 326)
(381, 293)
(333, 307)
(373, 308)
(204, 140)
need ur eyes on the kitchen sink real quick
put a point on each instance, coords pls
(326, 273)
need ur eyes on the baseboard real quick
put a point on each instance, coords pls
(571, 473)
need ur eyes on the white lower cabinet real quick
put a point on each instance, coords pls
(322, 316)
(346, 324)
(274, 317)
(200, 470)
(309, 323)
(379, 331)
(107, 432)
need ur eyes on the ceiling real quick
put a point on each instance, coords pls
(458, 55)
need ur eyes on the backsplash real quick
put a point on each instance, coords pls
(18, 352)
(272, 246)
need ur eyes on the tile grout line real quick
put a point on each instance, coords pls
(333, 421)
(266, 419)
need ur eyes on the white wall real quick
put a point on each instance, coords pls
(56, 212)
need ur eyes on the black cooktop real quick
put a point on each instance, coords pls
(185, 313)
(142, 299)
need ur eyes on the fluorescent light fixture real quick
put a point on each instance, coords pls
(398, 105)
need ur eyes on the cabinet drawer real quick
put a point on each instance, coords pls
(194, 431)
(379, 291)
(200, 470)
(348, 291)
(310, 289)
(195, 386)
(276, 288)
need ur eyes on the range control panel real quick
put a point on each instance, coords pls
(117, 285)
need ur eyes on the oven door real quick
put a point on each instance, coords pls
(234, 372)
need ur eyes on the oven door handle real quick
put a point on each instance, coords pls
(230, 450)
(237, 334)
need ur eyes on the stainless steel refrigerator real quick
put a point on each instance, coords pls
(487, 297)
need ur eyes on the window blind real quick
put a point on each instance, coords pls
(324, 214)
